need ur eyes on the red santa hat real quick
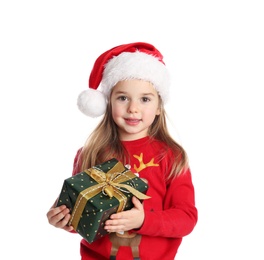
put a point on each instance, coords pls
(137, 60)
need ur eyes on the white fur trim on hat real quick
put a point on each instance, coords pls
(136, 65)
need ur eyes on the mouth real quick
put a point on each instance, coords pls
(132, 121)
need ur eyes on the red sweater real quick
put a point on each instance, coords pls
(170, 213)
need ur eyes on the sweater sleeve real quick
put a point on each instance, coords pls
(179, 215)
(76, 170)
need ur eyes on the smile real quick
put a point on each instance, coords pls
(132, 121)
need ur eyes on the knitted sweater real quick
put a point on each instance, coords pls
(170, 213)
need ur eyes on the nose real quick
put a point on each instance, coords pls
(132, 107)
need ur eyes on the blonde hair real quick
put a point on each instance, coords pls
(104, 143)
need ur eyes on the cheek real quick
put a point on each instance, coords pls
(151, 113)
(154, 110)
(116, 111)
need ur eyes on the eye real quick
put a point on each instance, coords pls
(122, 98)
(145, 99)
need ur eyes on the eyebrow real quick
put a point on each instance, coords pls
(125, 93)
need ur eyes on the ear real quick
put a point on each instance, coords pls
(158, 111)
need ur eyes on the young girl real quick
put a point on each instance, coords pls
(129, 85)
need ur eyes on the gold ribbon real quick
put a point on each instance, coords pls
(109, 184)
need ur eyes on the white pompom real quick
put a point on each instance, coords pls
(92, 102)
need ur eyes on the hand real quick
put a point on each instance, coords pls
(126, 220)
(59, 217)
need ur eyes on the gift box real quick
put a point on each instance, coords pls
(96, 193)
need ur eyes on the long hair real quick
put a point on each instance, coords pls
(104, 143)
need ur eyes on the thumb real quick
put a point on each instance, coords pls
(137, 203)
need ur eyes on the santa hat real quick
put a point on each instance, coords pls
(137, 60)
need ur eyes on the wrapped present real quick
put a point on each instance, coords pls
(96, 193)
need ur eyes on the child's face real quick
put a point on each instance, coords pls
(135, 104)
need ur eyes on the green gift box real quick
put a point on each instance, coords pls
(96, 193)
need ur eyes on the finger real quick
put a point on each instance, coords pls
(59, 218)
(112, 228)
(54, 211)
(114, 222)
(116, 216)
(62, 223)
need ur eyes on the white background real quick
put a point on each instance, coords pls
(214, 51)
